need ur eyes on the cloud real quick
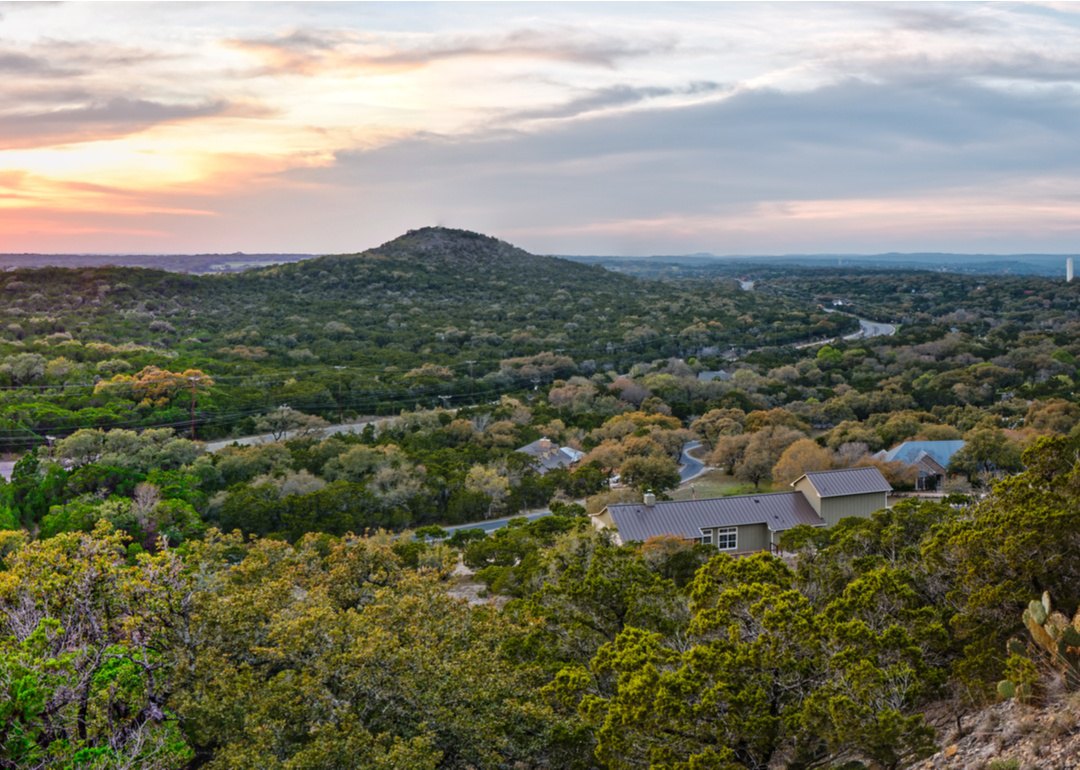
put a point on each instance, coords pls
(584, 127)
(109, 119)
(623, 95)
(13, 63)
(311, 52)
(70, 59)
(792, 160)
(939, 20)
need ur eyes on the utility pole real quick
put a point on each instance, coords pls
(472, 381)
(284, 412)
(194, 382)
(340, 414)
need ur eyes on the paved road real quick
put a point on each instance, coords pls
(267, 438)
(867, 329)
(872, 329)
(491, 525)
(6, 468)
(691, 468)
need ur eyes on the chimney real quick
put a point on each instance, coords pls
(1069, 270)
(545, 444)
(650, 499)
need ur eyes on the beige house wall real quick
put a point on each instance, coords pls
(750, 537)
(835, 508)
(604, 521)
(803, 485)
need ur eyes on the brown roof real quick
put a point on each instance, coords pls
(550, 455)
(925, 461)
(848, 481)
(778, 510)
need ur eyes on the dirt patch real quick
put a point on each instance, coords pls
(1011, 736)
(464, 586)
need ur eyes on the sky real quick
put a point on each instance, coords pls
(564, 128)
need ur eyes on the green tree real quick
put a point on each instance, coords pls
(987, 452)
(84, 641)
(332, 654)
(654, 472)
(286, 421)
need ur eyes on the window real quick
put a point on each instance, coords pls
(706, 537)
(727, 539)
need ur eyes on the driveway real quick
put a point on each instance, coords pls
(691, 468)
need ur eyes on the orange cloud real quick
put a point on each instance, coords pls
(311, 52)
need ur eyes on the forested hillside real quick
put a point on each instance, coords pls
(433, 313)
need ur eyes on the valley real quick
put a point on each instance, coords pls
(312, 454)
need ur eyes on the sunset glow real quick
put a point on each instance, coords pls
(581, 128)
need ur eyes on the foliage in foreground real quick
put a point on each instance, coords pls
(233, 653)
(253, 656)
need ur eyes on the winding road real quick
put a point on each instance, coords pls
(872, 329)
(691, 468)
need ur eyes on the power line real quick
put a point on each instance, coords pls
(389, 398)
(607, 347)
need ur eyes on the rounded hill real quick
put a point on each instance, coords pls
(456, 253)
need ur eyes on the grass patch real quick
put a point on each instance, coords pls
(699, 453)
(716, 484)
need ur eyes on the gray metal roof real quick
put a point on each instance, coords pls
(778, 510)
(849, 481)
(908, 452)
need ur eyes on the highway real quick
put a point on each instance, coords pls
(872, 329)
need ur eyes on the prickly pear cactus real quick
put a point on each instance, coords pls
(1052, 633)
(1056, 635)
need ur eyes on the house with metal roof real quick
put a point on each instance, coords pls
(930, 458)
(747, 523)
(836, 495)
(549, 455)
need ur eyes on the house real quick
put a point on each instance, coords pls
(931, 458)
(550, 455)
(747, 523)
(836, 495)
